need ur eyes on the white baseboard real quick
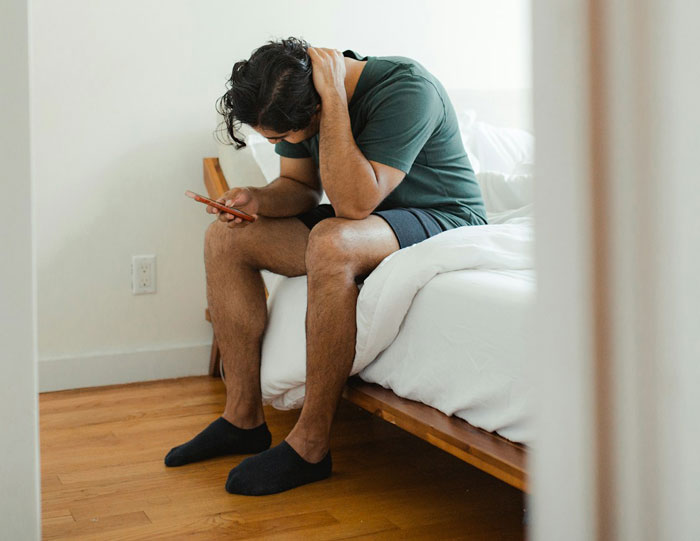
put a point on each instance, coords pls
(60, 373)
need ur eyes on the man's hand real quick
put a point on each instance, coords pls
(240, 198)
(328, 67)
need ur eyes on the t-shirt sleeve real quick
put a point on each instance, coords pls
(292, 150)
(401, 122)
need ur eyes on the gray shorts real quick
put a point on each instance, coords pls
(410, 225)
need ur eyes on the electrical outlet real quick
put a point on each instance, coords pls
(143, 274)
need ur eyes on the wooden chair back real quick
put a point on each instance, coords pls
(214, 178)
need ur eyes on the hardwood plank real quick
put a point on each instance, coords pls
(77, 529)
(226, 526)
(56, 513)
(57, 523)
(372, 527)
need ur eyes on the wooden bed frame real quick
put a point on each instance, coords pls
(487, 451)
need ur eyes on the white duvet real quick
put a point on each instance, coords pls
(388, 292)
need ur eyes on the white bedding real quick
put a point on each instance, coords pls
(461, 349)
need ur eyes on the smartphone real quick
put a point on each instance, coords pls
(237, 213)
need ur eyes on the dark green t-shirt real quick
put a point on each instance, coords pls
(401, 116)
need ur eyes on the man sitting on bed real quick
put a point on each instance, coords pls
(380, 136)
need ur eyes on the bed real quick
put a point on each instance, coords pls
(441, 345)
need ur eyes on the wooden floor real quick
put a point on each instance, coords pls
(103, 476)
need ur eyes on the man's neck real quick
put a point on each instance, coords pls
(353, 70)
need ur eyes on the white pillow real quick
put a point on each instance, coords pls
(506, 196)
(492, 148)
(241, 167)
(265, 156)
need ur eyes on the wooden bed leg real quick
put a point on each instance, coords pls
(214, 359)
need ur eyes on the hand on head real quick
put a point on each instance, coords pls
(328, 71)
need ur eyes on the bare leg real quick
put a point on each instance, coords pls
(236, 297)
(237, 305)
(339, 251)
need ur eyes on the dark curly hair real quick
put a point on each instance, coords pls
(274, 89)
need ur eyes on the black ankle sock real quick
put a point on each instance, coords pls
(276, 470)
(220, 438)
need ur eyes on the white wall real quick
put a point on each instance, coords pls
(123, 114)
(19, 459)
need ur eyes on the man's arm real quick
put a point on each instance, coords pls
(296, 190)
(354, 185)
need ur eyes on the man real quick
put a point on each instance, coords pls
(380, 136)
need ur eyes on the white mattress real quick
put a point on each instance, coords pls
(462, 348)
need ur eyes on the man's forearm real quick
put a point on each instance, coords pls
(285, 197)
(347, 176)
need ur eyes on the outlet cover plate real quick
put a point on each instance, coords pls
(143, 274)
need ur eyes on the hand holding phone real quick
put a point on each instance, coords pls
(232, 214)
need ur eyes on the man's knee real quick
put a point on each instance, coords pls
(221, 240)
(330, 250)
(217, 240)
